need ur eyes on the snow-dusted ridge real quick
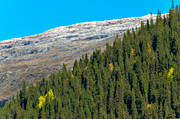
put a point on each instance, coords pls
(85, 24)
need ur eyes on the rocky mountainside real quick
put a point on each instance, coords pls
(33, 57)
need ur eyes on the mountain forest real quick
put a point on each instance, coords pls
(137, 77)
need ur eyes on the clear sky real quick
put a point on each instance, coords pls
(20, 18)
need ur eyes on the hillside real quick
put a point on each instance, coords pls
(33, 57)
(138, 77)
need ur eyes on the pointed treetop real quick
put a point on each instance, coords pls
(172, 4)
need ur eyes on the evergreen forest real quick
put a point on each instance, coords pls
(137, 77)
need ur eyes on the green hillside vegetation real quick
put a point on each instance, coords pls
(138, 77)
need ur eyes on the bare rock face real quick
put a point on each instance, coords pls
(33, 57)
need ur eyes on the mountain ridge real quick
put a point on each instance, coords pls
(32, 57)
(76, 24)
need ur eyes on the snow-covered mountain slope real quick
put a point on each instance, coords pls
(33, 57)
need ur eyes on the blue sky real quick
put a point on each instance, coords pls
(20, 18)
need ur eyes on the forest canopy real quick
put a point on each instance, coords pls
(137, 77)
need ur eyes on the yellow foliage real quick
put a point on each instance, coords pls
(46, 96)
(149, 106)
(132, 53)
(42, 100)
(51, 94)
(170, 73)
(72, 76)
(111, 67)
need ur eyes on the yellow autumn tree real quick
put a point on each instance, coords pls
(170, 73)
(51, 94)
(42, 99)
(132, 53)
(111, 67)
(72, 76)
(149, 106)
